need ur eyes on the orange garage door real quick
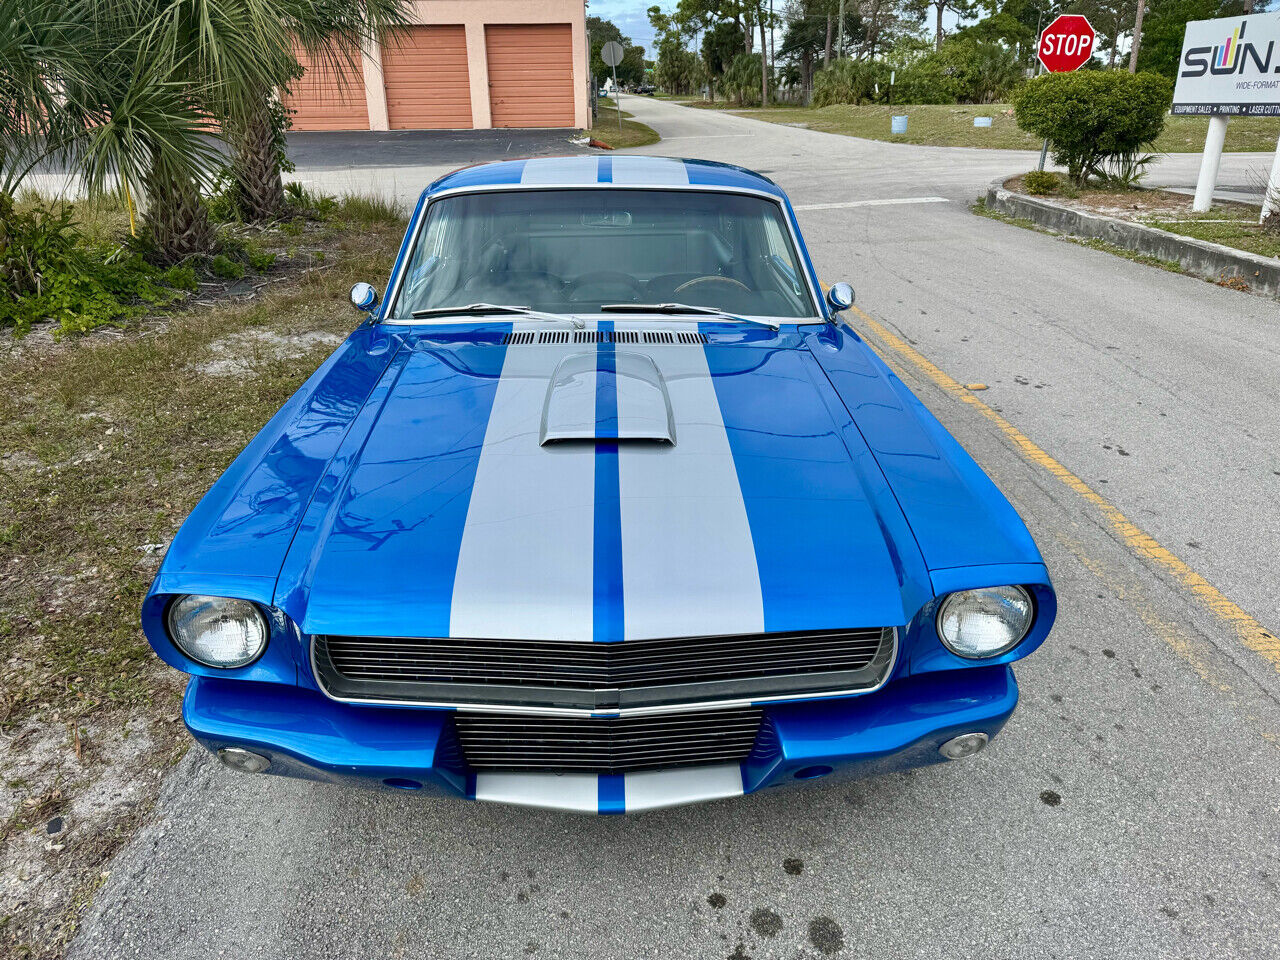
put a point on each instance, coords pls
(321, 102)
(426, 76)
(530, 74)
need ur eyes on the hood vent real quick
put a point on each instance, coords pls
(643, 412)
(600, 336)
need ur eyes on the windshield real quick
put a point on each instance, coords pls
(578, 251)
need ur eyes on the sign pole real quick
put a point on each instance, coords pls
(617, 98)
(1271, 198)
(611, 53)
(1213, 142)
(1063, 46)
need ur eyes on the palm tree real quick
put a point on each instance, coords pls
(332, 32)
(133, 95)
(87, 85)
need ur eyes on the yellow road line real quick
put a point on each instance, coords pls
(1252, 634)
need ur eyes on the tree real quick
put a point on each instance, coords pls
(630, 70)
(1112, 19)
(332, 33)
(1165, 25)
(809, 33)
(961, 8)
(720, 44)
(121, 92)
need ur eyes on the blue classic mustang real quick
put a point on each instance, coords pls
(600, 509)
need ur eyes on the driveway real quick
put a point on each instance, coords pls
(1128, 810)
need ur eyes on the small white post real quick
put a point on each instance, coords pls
(1213, 142)
(1271, 199)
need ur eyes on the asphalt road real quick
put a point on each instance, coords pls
(1128, 810)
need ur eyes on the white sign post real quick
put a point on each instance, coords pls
(1230, 68)
(611, 53)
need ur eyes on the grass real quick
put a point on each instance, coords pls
(632, 134)
(1229, 223)
(952, 126)
(1225, 228)
(106, 444)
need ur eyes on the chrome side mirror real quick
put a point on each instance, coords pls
(840, 296)
(364, 297)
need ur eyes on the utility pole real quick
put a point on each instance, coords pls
(764, 62)
(1137, 37)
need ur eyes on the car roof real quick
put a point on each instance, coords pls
(608, 170)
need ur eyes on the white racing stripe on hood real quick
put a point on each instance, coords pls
(525, 562)
(688, 561)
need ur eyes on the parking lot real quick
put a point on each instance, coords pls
(1129, 807)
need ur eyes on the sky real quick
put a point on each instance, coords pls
(630, 17)
(633, 21)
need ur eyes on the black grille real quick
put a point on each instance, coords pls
(601, 676)
(492, 742)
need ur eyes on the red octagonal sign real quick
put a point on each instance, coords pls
(1066, 44)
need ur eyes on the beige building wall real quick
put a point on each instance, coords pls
(473, 15)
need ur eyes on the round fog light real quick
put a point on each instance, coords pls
(965, 745)
(246, 761)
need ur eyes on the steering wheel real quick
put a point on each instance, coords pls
(714, 279)
(604, 276)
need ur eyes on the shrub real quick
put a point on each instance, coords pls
(848, 81)
(1040, 182)
(306, 203)
(182, 277)
(226, 268)
(1090, 117)
(926, 82)
(49, 271)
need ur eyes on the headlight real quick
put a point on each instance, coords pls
(986, 622)
(217, 631)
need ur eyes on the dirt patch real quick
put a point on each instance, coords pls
(1140, 204)
(236, 355)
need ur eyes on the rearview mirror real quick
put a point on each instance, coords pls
(364, 297)
(840, 296)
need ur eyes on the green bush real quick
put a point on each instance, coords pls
(965, 70)
(308, 204)
(182, 277)
(1093, 117)
(226, 268)
(848, 81)
(926, 82)
(49, 271)
(1038, 183)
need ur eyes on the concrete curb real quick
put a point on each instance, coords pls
(1212, 261)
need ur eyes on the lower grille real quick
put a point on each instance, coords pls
(601, 745)
(603, 676)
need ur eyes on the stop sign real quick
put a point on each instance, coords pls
(1066, 44)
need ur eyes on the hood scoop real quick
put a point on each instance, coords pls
(607, 396)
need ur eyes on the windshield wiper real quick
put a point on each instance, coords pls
(480, 309)
(679, 308)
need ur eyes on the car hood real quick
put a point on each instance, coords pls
(602, 485)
